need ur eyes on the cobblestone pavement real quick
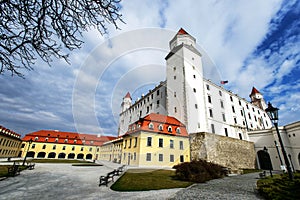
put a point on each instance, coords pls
(240, 187)
(64, 181)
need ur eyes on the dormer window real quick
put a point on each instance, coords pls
(160, 127)
(138, 126)
(46, 139)
(151, 126)
(66, 140)
(178, 130)
(92, 142)
(56, 139)
(36, 138)
(170, 129)
(75, 141)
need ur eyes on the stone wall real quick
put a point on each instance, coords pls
(229, 152)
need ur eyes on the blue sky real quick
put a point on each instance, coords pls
(250, 43)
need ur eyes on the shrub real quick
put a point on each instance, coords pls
(198, 171)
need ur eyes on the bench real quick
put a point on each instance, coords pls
(14, 170)
(30, 165)
(262, 174)
(104, 180)
(119, 170)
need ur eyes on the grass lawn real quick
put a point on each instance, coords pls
(280, 187)
(143, 180)
(247, 171)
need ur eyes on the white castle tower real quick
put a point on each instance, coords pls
(257, 99)
(126, 102)
(185, 82)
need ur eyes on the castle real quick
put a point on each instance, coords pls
(185, 117)
(203, 106)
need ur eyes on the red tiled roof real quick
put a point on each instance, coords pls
(182, 32)
(254, 91)
(53, 136)
(9, 133)
(158, 120)
(127, 95)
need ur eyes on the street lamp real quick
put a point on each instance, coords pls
(273, 114)
(30, 141)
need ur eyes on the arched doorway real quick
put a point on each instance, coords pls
(41, 155)
(61, 155)
(264, 160)
(89, 156)
(30, 154)
(71, 156)
(52, 155)
(80, 156)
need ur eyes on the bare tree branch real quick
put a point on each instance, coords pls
(42, 28)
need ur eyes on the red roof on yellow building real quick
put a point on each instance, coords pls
(158, 123)
(54, 136)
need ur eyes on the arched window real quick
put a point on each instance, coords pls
(151, 126)
(170, 129)
(178, 130)
(160, 127)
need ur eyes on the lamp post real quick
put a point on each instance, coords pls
(273, 114)
(30, 141)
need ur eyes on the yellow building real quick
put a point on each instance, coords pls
(57, 144)
(153, 141)
(10, 143)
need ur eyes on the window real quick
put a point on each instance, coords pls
(240, 136)
(222, 104)
(157, 92)
(46, 139)
(242, 113)
(220, 92)
(175, 109)
(210, 112)
(160, 127)
(226, 132)
(174, 69)
(160, 142)
(181, 158)
(235, 121)
(231, 99)
(36, 138)
(148, 157)
(171, 158)
(160, 157)
(151, 126)
(224, 118)
(181, 145)
(44, 146)
(147, 109)
(207, 87)
(194, 89)
(212, 128)
(233, 110)
(157, 103)
(64, 148)
(33, 146)
(125, 144)
(130, 143)
(134, 156)
(170, 129)
(135, 141)
(194, 76)
(172, 144)
(66, 140)
(196, 106)
(90, 149)
(81, 149)
(249, 115)
(174, 94)
(178, 130)
(174, 77)
(73, 148)
(149, 141)
(209, 98)
(23, 145)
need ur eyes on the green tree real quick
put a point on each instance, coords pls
(44, 28)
